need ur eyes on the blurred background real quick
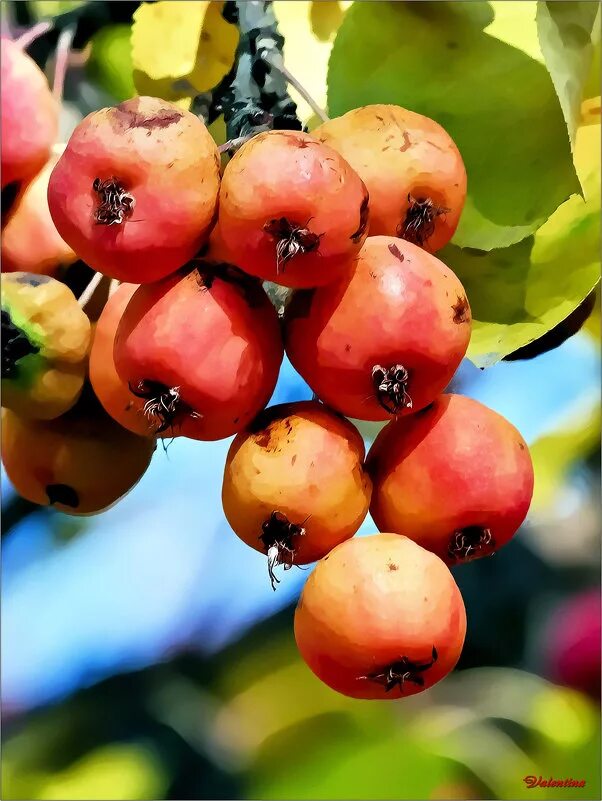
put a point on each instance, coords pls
(145, 655)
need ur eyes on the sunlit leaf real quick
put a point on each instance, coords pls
(50, 8)
(110, 772)
(520, 292)
(498, 104)
(309, 30)
(565, 34)
(557, 452)
(180, 48)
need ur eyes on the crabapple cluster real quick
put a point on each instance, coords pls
(189, 344)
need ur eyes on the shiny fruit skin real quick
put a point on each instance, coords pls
(30, 241)
(45, 343)
(371, 602)
(29, 115)
(288, 175)
(81, 463)
(398, 153)
(165, 160)
(111, 391)
(401, 305)
(455, 466)
(212, 333)
(306, 462)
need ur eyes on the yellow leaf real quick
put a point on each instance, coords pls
(555, 453)
(309, 30)
(180, 48)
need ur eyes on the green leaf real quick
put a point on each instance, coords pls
(556, 453)
(112, 772)
(181, 48)
(51, 8)
(498, 104)
(519, 293)
(110, 62)
(565, 35)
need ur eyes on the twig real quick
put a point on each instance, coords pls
(86, 295)
(63, 48)
(278, 63)
(39, 29)
(234, 144)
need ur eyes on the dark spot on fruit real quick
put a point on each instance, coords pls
(364, 211)
(451, 45)
(406, 142)
(63, 494)
(521, 446)
(373, 274)
(461, 311)
(31, 279)
(293, 460)
(393, 566)
(395, 251)
(379, 118)
(236, 419)
(347, 348)
(264, 439)
(134, 119)
(15, 346)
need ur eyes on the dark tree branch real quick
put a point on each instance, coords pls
(253, 96)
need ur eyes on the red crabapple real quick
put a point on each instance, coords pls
(294, 484)
(412, 168)
(29, 115)
(30, 241)
(457, 478)
(135, 191)
(203, 348)
(387, 339)
(80, 463)
(292, 210)
(380, 617)
(113, 393)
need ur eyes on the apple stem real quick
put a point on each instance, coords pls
(37, 30)
(86, 295)
(61, 61)
(233, 144)
(278, 63)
